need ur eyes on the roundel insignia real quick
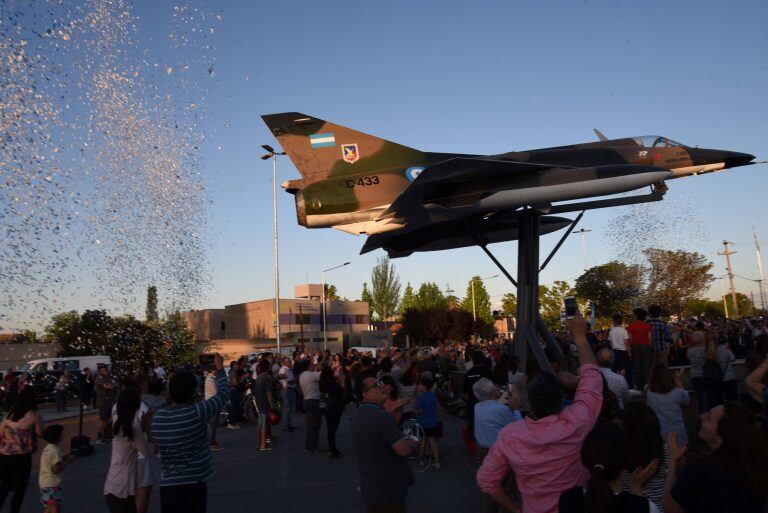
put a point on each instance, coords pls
(412, 173)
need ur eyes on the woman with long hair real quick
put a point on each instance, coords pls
(127, 442)
(666, 396)
(733, 477)
(605, 455)
(339, 370)
(644, 444)
(148, 468)
(332, 406)
(18, 430)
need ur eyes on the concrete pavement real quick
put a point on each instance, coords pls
(287, 479)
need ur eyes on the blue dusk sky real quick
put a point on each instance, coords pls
(480, 77)
(487, 77)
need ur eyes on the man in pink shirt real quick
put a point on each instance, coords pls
(544, 448)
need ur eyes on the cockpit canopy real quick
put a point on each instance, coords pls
(655, 141)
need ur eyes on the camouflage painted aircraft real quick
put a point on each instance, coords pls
(409, 200)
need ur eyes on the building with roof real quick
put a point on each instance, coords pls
(254, 323)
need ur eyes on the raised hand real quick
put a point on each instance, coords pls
(642, 474)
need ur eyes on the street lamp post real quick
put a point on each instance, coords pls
(583, 233)
(322, 279)
(272, 154)
(472, 285)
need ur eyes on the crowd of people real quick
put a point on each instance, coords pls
(616, 437)
(610, 429)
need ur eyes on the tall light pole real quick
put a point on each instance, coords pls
(760, 269)
(325, 330)
(272, 154)
(472, 285)
(583, 233)
(727, 254)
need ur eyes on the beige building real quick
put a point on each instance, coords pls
(300, 320)
(207, 324)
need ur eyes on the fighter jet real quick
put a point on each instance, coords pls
(409, 200)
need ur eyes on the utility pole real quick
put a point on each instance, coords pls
(727, 254)
(761, 283)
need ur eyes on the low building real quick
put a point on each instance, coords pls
(505, 327)
(300, 321)
(206, 324)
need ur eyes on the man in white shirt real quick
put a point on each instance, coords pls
(622, 350)
(491, 415)
(618, 335)
(616, 382)
(309, 381)
(290, 394)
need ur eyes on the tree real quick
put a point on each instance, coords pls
(385, 289)
(408, 300)
(331, 294)
(178, 341)
(745, 304)
(705, 307)
(95, 326)
(30, 337)
(127, 348)
(551, 301)
(366, 296)
(151, 311)
(64, 329)
(509, 304)
(479, 302)
(430, 297)
(436, 325)
(676, 277)
(610, 286)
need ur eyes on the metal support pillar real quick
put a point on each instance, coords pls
(530, 326)
(526, 332)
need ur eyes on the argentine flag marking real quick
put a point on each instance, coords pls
(322, 140)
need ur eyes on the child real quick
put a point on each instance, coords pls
(52, 464)
(428, 407)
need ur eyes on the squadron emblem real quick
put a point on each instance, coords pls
(349, 153)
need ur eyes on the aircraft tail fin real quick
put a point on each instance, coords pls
(320, 149)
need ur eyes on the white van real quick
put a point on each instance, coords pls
(70, 363)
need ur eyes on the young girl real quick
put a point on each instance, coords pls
(121, 484)
(52, 464)
(428, 411)
(604, 454)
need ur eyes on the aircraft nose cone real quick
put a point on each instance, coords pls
(734, 158)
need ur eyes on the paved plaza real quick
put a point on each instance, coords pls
(287, 479)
